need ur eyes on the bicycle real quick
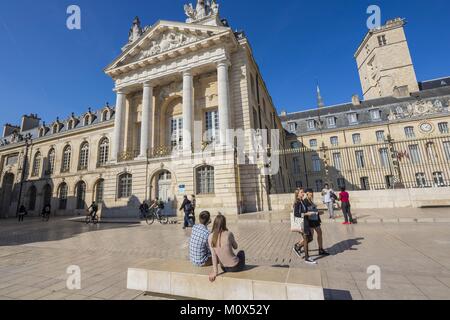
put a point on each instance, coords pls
(45, 217)
(91, 218)
(152, 215)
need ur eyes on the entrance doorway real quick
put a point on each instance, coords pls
(164, 191)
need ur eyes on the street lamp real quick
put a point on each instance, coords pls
(28, 139)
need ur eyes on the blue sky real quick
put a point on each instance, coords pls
(47, 69)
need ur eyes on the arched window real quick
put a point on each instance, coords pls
(55, 129)
(87, 120)
(51, 162)
(36, 165)
(103, 152)
(205, 180)
(70, 125)
(67, 154)
(99, 190)
(41, 132)
(125, 185)
(84, 156)
(32, 198)
(62, 196)
(81, 195)
(105, 115)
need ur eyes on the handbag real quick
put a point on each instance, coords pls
(297, 224)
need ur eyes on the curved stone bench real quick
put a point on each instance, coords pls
(180, 278)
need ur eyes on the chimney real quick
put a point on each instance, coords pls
(8, 129)
(355, 100)
(29, 122)
(401, 92)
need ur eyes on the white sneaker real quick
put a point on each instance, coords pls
(310, 261)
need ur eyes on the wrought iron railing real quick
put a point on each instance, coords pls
(411, 163)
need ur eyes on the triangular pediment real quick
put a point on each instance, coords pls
(165, 37)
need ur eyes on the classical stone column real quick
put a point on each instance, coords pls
(118, 125)
(188, 110)
(147, 113)
(224, 100)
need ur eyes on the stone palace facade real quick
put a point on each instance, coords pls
(194, 117)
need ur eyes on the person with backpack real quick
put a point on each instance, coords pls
(186, 206)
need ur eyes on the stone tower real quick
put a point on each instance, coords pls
(384, 62)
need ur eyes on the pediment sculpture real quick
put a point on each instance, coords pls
(416, 109)
(166, 42)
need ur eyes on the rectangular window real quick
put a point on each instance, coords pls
(443, 127)
(382, 40)
(414, 154)
(380, 136)
(365, 183)
(439, 180)
(375, 115)
(352, 118)
(296, 165)
(255, 119)
(292, 127)
(356, 138)
(409, 132)
(421, 180)
(337, 161)
(384, 157)
(313, 143)
(331, 122)
(334, 141)
(360, 159)
(316, 163)
(446, 145)
(341, 183)
(311, 124)
(212, 126)
(176, 133)
(12, 160)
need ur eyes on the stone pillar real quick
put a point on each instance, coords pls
(188, 110)
(224, 100)
(118, 125)
(147, 113)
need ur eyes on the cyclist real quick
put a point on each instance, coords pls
(46, 211)
(93, 210)
(159, 206)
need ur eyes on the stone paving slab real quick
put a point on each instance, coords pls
(34, 257)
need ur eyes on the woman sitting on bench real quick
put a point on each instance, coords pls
(223, 244)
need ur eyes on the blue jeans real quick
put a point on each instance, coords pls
(186, 219)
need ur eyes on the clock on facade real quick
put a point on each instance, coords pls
(426, 127)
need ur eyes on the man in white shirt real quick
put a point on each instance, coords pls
(328, 200)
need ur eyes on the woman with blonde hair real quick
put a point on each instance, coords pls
(222, 245)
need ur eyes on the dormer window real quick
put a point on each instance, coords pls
(55, 129)
(331, 122)
(41, 132)
(352, 118)
(311, 124)
(87, 120)
(105, 115)
(375, 115)
(70, 125)
(292, 127)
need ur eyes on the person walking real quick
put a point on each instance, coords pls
(186, 206)
(22, 213)
(222, 245)
(344, 197)
(194, 206)
(93, 209)
(314, 220)
(329, 199)
(199, 252)
(301, 211)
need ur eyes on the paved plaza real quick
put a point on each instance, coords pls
(414, 257)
